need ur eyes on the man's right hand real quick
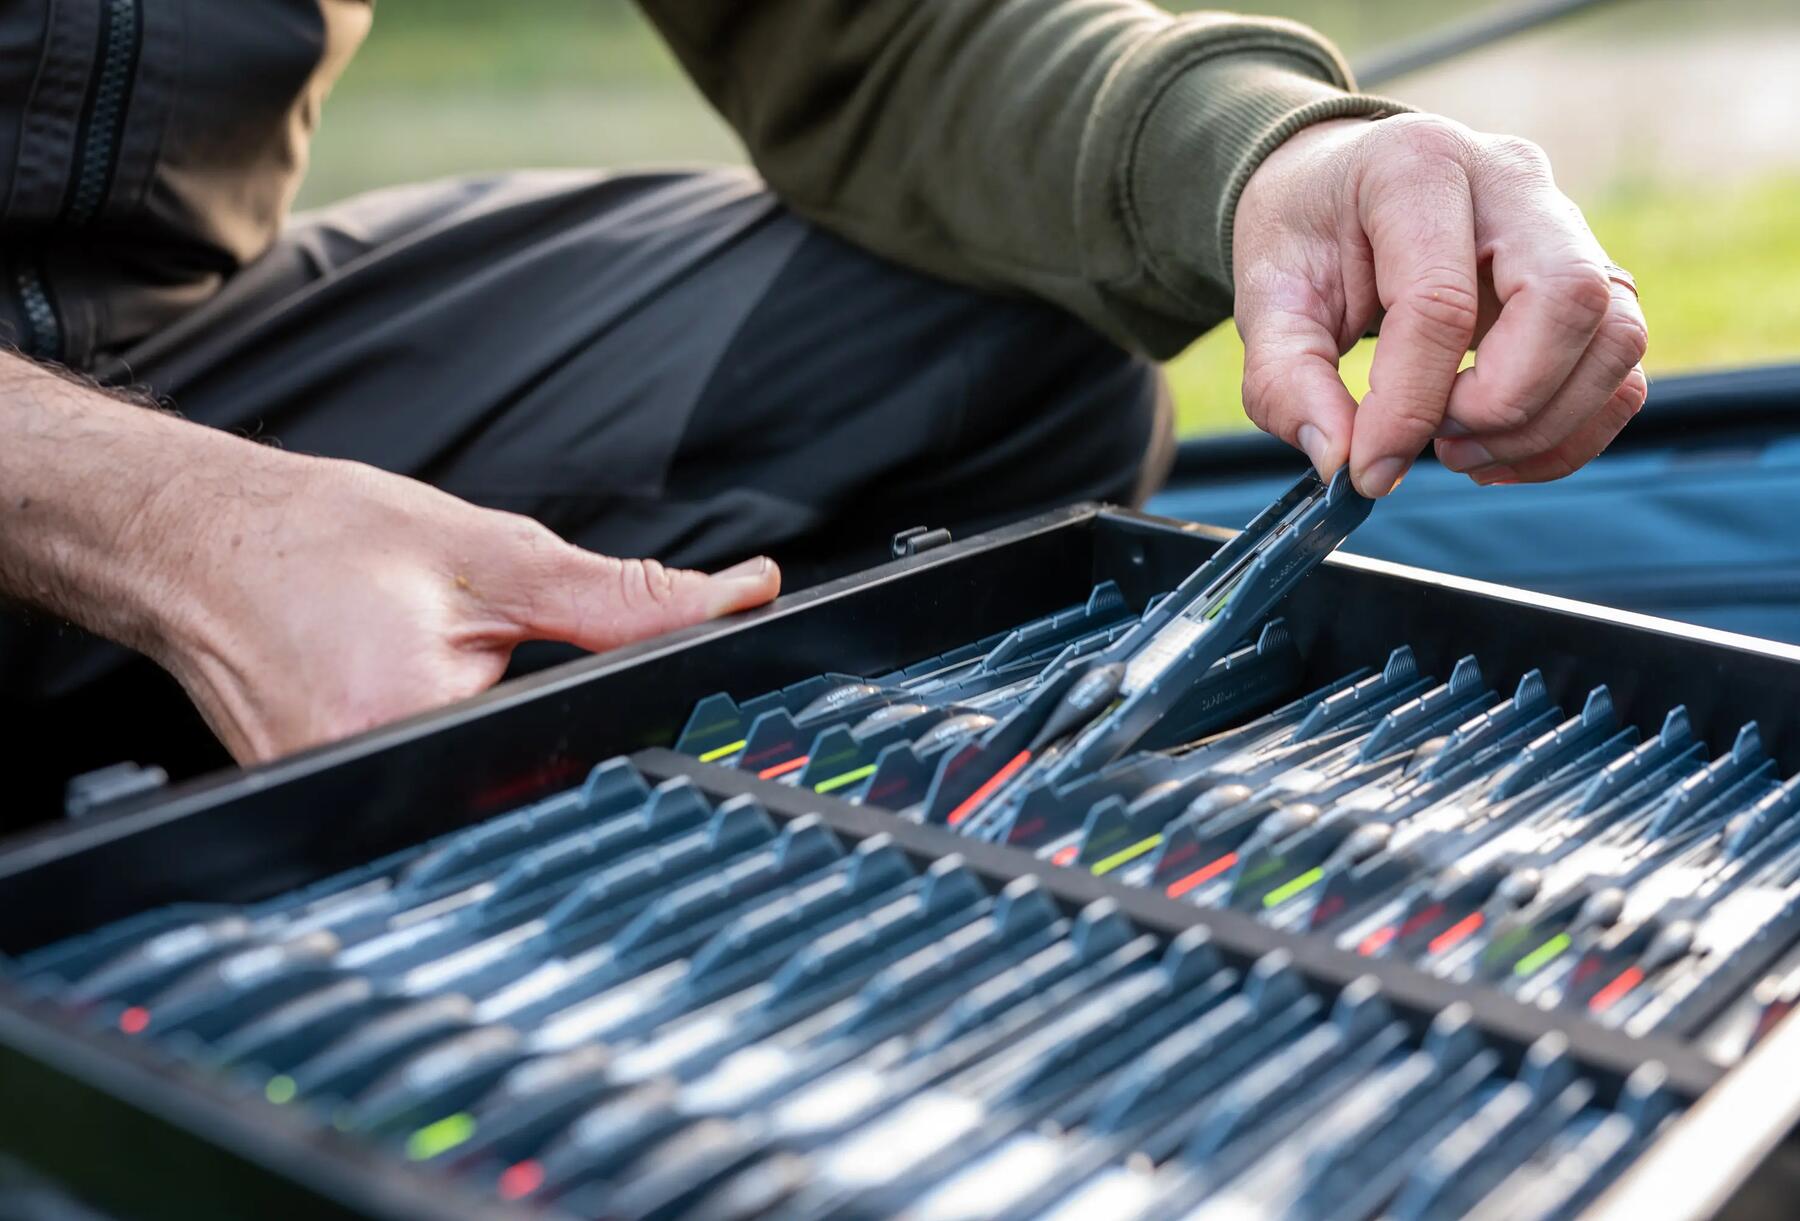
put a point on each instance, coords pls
(298, 599)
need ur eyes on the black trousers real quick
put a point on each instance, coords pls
(666, 365)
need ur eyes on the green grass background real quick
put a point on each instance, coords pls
(451, 86)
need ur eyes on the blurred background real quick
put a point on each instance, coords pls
(1676, 126)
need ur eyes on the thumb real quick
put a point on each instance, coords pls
(597, 602)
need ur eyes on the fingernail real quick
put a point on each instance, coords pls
(751, 569)
(1382, 476)
(1495, 476)
(1464, 455)
(1317, 448)
(741, 587)
(1450, 429)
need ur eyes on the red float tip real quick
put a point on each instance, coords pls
(521, 1179)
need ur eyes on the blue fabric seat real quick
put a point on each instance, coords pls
(1699, 521)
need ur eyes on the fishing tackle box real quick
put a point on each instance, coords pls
(132, 1132)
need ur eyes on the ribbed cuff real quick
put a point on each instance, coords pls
(1198, 146)
(1183, 123)
(1335, 105)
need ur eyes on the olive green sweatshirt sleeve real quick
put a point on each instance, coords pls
(1090, 152)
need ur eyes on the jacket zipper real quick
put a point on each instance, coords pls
(97, 139)
(103, 113)
(43, 329)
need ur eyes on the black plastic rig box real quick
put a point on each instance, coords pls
(133, 1133)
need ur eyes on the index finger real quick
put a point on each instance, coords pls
(1420, 221)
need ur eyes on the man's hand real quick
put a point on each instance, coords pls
(1450, 238)
(339, 597)
(298, 599)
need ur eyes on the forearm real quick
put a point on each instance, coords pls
(102, 503)
(1086, 151)
(297, 598)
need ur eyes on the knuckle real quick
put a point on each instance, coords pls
(1560, 465)
(1269, 398)
(1259, 392)
(1634, 391)
(1613, 419)
(645, 583)
(530, 554)
(1521, 152)
(1445, 307)
(1579, 294)
(1625, 402)
(1517, 159)
(1431, 137)
(1557, 464)
(1505, 414)
(1412, 413)
(1623, 340)
(527, 534)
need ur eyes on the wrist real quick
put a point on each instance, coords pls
(113, 514)
(1197, 146)
(165, 547)
(223, 504)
